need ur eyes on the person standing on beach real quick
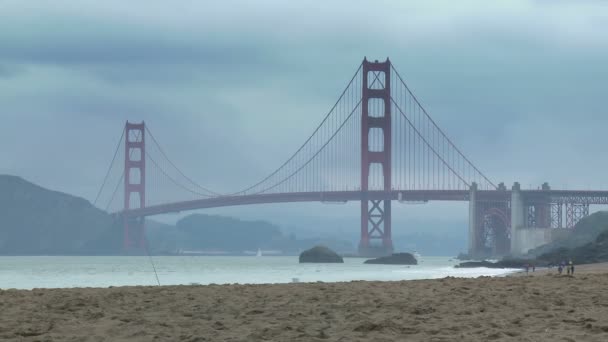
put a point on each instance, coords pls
(571, 267)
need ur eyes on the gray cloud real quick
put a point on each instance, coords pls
(9, 71)
(518, 85)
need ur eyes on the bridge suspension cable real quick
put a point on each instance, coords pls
(458, 163)
(105, 178)
(173, 180)
(306, 142)
(427, 143)
(313, 156)
(122, 176)
(330, 159)
(206, 191)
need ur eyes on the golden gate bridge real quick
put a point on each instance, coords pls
(377, 144)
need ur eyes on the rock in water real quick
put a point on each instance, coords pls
(395, 259)
(320, 254)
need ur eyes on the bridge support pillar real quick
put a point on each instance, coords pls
(376, 237)
(542, 210)
(134, 234)
(375, 228)
(473, 218)
(134, 184)
(518, 217)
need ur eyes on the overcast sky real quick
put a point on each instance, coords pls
(232, 88)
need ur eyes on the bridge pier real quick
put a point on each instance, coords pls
(134, 234)
(134, 184)
(488, 224)
(518, 219)
(530, 219)
(473, 218)
(517, 208)
(376, 214)
(376, 241)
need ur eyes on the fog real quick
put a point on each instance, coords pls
(519, 86)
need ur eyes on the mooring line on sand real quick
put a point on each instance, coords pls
(151, 261)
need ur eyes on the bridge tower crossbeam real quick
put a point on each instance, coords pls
(376, 214)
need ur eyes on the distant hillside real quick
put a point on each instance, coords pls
(225, 233)
(162, 237)
(38, 221)
(211, 232)
(585, 231)
(34, 220)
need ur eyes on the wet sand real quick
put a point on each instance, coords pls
(543, 307)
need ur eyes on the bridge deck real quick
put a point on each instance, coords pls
(589, 197)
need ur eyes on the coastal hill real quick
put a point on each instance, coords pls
(586, 243)
(589, 253)
(34, 220)
(585, 231)
(199, 231)
(232, 235)
(38, 221)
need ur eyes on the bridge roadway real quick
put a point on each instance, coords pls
(530, 196)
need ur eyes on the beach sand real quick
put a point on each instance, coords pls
(543, 307)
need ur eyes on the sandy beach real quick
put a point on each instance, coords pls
(542, 307)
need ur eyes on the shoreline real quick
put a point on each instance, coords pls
(84, 272)
(535, 308)
(195, 284)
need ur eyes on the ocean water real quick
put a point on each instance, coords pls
(27, 272)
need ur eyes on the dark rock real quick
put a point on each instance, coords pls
(593, 252)
(395, 259)
(474, 264)
(586, 231)
(463, 256)
(320, 254)
(505, 263)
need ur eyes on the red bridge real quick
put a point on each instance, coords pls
(376, 145)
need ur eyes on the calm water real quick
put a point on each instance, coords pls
(33, 272)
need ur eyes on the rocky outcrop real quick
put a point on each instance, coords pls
(593, 252)
(507, 263)
(320, 254)
(395, 259)
(586, 231)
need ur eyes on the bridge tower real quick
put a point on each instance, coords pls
(376, 213)
(134, 184)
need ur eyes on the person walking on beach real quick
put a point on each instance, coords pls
(571, 267)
